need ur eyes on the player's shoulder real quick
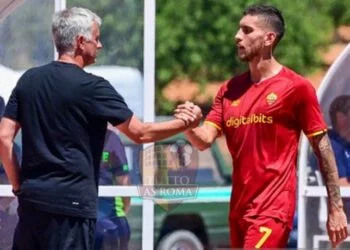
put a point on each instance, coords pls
(243, 77)
(236, 80)
(296, 78)
(298, 83)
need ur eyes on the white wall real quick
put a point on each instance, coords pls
(8, 80)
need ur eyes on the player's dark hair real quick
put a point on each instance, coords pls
(339, 104)
(271, 15)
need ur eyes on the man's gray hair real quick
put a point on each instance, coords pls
(70, 23)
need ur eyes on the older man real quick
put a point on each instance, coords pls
(63, 113)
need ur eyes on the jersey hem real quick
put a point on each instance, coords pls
(49, 208)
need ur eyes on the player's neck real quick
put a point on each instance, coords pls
(66, 58)
(262, 69)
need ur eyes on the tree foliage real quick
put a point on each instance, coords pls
(121, 31)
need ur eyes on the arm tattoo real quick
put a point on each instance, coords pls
(324, 152)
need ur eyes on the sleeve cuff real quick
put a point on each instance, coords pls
(212, 124)
(317, 133)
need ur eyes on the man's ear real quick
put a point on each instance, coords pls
(80, 42)
(270, 38)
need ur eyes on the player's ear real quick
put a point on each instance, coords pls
(270, 38)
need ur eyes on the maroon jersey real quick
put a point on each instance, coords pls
(262, 124)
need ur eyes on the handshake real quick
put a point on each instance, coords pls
(190, 113)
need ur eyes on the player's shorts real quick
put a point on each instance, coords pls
(37, 230)
(258, 232)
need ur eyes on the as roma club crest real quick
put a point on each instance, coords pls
(235, 103)
(271, 98)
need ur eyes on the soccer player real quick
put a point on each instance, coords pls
(112, 227)
(262, 113)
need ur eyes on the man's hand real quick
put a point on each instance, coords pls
(201, 137)
(337, 222)
(190, 113)
(337, 226)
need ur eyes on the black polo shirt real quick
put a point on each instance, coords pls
(63, 112)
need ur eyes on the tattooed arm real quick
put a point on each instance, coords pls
(325, 155)
(337, 222)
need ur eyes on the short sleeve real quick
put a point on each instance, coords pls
(114, 155)
(215, 115)
(12, 108)
(308, 111)
(107, 104)
(120, 166)
(121, 170)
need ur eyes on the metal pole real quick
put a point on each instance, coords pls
(148, 114)
(302, 178)
(60, 5)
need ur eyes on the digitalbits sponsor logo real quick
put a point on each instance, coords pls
(169, 173)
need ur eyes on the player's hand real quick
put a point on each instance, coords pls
(337, 226)
(190, 113)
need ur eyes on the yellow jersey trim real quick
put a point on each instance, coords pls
(213, 125)
(317, 133)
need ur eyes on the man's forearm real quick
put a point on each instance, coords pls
(10, 163)
(162, 130)
(141, 132)
(198, 138)
(324, 152)
(202, 137)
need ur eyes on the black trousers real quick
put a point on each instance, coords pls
(37, 230)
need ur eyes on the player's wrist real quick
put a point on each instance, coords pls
(184, 121)
(335, 206)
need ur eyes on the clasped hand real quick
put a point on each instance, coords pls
(190, 113)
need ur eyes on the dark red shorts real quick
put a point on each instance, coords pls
(258, 232)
